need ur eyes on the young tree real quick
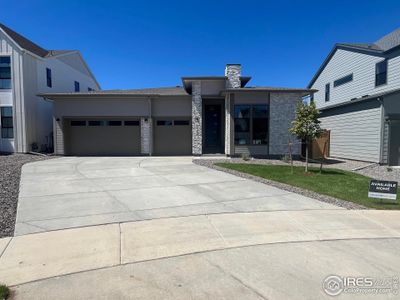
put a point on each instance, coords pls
(306, 126)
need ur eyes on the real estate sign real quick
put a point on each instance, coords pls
(383, 189)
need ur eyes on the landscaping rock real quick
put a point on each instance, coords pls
(10, 172)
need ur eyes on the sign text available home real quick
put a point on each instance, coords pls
(382, 189)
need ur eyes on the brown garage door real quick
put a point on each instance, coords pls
(172, 136)
(102, 136)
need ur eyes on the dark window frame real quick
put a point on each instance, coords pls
(251, 120)
(381, 77)
(327, 92)
(77, 86)
(343, 80)
(5, 81)
(7, 123)
(49, 80)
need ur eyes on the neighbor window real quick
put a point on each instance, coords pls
(7, 131)
(5, 72)
(48, 77)
(343, 80)
(381, 73)
(77, 88)
(327, 92)
(251, 124)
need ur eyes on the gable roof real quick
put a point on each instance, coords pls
(379, 48)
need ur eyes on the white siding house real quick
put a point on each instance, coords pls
(357, 85)
(26, 120)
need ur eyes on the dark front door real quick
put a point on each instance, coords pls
(213, 128)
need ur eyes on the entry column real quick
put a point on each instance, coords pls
(197, 105)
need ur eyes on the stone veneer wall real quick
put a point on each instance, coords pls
(59, 148)
(146, 136)
(282, 113)
(229, 99)
(197, 105)
(233, 73)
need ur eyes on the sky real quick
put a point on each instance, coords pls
(140, 44)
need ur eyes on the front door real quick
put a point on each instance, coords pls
(213, 128)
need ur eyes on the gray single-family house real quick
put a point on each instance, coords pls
(359, 99)
(205, 115)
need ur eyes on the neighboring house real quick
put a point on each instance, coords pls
(359, 99)
(27, 69)
(207, 115)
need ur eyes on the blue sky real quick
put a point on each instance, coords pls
(138, 44)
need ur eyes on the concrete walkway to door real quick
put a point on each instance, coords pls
(72, 192)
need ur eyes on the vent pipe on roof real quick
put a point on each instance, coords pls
(233, 72)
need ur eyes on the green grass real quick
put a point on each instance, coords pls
(4, 292)
(340, 184)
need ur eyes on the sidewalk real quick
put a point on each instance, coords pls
(39, 256)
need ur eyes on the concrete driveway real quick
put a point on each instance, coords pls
(81, 191)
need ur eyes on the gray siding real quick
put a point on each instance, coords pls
(362, 66)
(355, 131)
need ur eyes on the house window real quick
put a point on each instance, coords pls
(96, 123)
(381, 73)
(5, 72)
(327, 92)
(77, 88)
(90, 89)
(48, 77)
(181, 122)
(251, 124)
(343, 80)
(7, 131)
(164, 123)
(114, 123)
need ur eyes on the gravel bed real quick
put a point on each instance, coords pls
(10, 173)
(210, 163)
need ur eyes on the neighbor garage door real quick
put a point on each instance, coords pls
(172, 136)
(103, 136)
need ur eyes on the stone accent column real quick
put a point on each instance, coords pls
(229, 148)
(233, 72)
(197, 106)
(282, 113)
(146, 136)
(58, 132)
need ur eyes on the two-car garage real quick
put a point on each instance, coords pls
(117, 136)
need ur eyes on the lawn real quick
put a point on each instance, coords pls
(340, 184)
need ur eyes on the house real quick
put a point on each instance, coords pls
(27, 69)
(206, 115)
(359, 99)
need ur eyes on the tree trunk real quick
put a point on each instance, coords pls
(306, 156)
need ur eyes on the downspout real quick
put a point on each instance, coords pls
(382, 130)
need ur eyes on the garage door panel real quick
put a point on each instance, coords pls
(172, 136)
(103, 137)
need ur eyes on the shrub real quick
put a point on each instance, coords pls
(4, 292)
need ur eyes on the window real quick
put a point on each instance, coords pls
(5, 72)
(260, 125)
(164, 123)
(7, 131)
(131, 123)
(90, 89)
(96, 123)
(78, 123)
(181, 122)
(77, 88)
(343, 80)
(114, 123)
(251, 124)
(381, 73)
(327, 92)
(48, 77)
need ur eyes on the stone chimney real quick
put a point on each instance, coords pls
(233, 72)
